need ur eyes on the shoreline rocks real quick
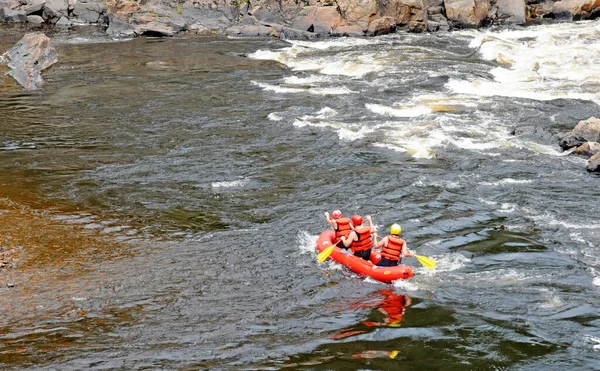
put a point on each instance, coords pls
(291, 19)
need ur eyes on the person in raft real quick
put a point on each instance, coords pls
(392, 247)
(340, 225)
(360, 238)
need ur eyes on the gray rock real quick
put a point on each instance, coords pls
(89, 11)
(35, 19)
(29, 57)
(510, 11)
(12, 16)
(217, 19)
(198, 28)
(154, 28)
(34, 6)
(294, 34)
(116, 27)
(53, 10)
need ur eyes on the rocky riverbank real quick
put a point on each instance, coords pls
(305, 19)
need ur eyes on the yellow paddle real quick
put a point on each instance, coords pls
(427, 262)
(325, 253)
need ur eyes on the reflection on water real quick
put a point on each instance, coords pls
(387, 312)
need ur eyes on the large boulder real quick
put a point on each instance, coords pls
(317, 19)
(357, 12)
(12, 16)
(585, 131)
(509, 12)
(30, 56)
(467, 13)
(90, 11)
(54, 10)
(34, 7)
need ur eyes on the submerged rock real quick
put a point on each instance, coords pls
(30, 56)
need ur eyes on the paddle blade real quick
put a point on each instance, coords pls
(325, 253)
(427, 262)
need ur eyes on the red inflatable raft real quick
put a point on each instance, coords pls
(361, 266)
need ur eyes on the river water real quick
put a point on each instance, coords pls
(212, 160)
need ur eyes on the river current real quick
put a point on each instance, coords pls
(213, 160)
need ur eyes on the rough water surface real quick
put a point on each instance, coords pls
(176, 187)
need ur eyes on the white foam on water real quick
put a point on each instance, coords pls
(308, 56)
(323, 119)
(415, 138)
(550, 300)
(507, 208)
(311, 90)
(309, 80)
(546, 219)
(498, 277)
(307, 243)
(268, 55)
(399, 111)
(230, 183)
(406, 285)
(341, 43)
(487, 202)
(279, 89)
(331, 91)
(577, 237)
(542, 63)
(274, 116)
(352, 135)
(507, 181)
(352, 67)
(594, 340)
(446, 263)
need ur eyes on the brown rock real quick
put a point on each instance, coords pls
(593, 164)
(467, 13)
(585, 131)
(574, 9)
(587, 149)
(30, 56)
(381, 26)
(320, 20)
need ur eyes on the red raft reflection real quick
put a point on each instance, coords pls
(360, 266)
(388, 312)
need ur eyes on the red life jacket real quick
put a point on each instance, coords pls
(393, 249)
(343, 229)
(364, 238)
